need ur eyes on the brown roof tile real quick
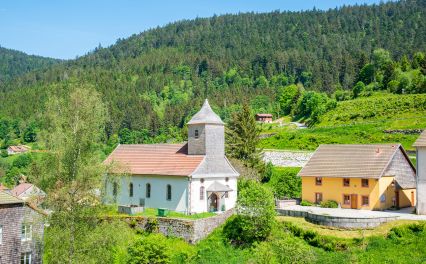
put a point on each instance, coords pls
(421, 141)
(350, 161)
(154, 159)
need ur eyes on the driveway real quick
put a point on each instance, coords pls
(405, 213)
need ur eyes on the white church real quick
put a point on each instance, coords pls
(190, 178)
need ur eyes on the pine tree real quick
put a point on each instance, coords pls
(242, 137)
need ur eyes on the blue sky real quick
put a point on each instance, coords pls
(66, 29)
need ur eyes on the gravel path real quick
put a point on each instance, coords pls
(287, 158)
(405, 213)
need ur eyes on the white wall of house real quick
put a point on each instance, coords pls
(158, 198)
(198, 205)
(421, 180)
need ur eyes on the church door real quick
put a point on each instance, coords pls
(213, 202)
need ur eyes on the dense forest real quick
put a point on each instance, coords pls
(15, 63)
(297, 63)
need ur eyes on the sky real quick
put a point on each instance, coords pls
(66, 29)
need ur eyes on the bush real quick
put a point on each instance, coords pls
(22, 161)
(149, 249)
(3, 153)
(329, 204)
(306, 203)
(285, 183)
(255, 215)
(156, 248)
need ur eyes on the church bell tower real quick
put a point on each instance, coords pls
(206, 133)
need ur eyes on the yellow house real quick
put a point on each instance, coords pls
(372, 177)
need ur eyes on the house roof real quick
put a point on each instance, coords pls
(6, 198)
(205, 116)
(218, 187)
(421, 140)
(21, 188)
(154, 159)
(19, 148)
(352, 161)
(264, 115)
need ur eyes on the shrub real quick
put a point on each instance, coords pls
(285, 183)
(306, 203)
(255, 215)
(22, 161)
(3, 153)
(329, 204)
(149, 249)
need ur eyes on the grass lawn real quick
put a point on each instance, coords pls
(111, 210)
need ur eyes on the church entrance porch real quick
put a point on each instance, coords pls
(217, 193)
(213, 202)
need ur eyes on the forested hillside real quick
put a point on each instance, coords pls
(152, 82)
(15, 63)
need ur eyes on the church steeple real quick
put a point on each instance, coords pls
(206, 133)
(205, 116)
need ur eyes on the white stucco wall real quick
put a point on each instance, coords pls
(179, 201)
(198, 206)
(421, 180)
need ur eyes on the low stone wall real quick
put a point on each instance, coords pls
(337, 221)
(286, 202)
(190, 230)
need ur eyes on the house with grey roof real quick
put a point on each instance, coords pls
(420, 146)
(192, 177)
(21, 231)
(372, 177)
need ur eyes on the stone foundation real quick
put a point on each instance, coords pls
(190, 230)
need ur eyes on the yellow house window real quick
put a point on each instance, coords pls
(346, 199)
(346, 182)
(318, 181)
(364, 182)
(365, 200)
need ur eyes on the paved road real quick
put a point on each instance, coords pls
(405, 213)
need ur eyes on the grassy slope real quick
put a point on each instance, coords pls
(359, 121)
(369, 246)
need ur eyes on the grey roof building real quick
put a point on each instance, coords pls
(21, 231)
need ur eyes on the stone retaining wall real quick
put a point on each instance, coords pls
(190, 230)
(286, 202)
(337, 221)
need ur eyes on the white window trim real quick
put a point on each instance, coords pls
(26, 235)
(27, 257)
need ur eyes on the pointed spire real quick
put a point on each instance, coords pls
(206, 116)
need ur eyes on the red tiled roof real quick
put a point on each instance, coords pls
(154, 159)
(20, 188)
(264, 115)
(19, 148)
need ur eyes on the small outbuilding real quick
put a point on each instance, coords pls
(372, 177)
(264, 118)
(420, 146)
(18, 149)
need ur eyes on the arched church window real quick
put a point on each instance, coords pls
(114, 188)
(202, 193)
(131, 189)
(169, 192)
(196, 133)
(148, 190)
